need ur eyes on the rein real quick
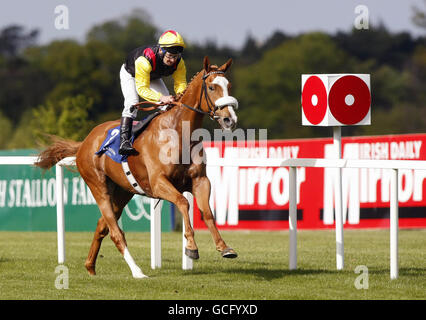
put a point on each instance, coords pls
(212, 107)
(153, 105)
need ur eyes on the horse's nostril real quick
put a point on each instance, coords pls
(227, 121)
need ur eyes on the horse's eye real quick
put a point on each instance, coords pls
(211, 88)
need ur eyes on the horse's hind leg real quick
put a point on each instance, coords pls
(201, 191)
(111, 200)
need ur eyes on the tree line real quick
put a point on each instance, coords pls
(67, 87)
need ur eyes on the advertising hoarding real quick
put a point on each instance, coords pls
(258, 198)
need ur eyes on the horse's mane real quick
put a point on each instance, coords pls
(180, 95)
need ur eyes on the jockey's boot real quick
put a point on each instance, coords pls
(125, 134)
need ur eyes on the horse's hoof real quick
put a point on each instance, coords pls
(91, 270)
(229, 253)
(138, 274)
(193, 254)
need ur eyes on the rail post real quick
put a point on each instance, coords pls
(60, 219)
(340, 261)
(394, 225)
(292, 219)
(155, 227)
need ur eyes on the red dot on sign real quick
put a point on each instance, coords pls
(349, 100)
(314, 100)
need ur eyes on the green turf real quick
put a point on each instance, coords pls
(28, 261)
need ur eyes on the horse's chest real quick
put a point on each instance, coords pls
(182, 176)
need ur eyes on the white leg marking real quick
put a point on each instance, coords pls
(136, 271)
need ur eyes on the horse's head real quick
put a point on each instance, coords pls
(215, 95)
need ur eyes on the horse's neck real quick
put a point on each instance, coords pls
(191, 98)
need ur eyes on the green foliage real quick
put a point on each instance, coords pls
(417, 77)
(390, 87)
(22, 86)
(39, 83)
(72, 69)
(126, 33)
(5, 130)
(68, 118)
(388, 48)
(22, 136)
(13, 39)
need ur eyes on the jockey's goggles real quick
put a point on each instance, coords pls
(172, 56)
(173, 50)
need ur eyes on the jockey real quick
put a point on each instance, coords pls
(140, 76)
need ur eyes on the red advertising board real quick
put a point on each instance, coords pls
(258, 198)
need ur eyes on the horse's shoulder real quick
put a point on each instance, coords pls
(197, 170)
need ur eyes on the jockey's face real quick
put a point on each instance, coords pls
(169, 59)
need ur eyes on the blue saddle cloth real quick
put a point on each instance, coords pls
(111, 145)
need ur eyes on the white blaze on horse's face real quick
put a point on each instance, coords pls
(226, 100)
(223, 83)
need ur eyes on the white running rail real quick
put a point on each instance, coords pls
(393, 165)
(60, 222)
(60, 212)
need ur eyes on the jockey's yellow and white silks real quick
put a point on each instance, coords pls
(140, 76)
(143, 71)
(131, 96)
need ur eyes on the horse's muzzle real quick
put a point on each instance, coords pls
(227, 117)
(227, 123)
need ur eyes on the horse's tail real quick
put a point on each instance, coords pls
(58, 150)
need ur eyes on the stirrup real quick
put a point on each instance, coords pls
(126, 149)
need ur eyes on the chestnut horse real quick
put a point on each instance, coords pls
(206, 94)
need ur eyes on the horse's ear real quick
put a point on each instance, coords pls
(226, 65)
(206, 63)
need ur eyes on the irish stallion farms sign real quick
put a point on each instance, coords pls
(28, 201)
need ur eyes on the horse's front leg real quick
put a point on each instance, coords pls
(164, 189)
(201, 191)
(100, 233)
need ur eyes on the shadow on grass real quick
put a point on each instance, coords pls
(264, 273)
(412, 271)
(408, 272)
(2, 260)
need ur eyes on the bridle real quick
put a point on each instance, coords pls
(213, 106)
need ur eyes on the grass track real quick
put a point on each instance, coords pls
(28, 261)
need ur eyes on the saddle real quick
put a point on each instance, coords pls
(111, 143)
